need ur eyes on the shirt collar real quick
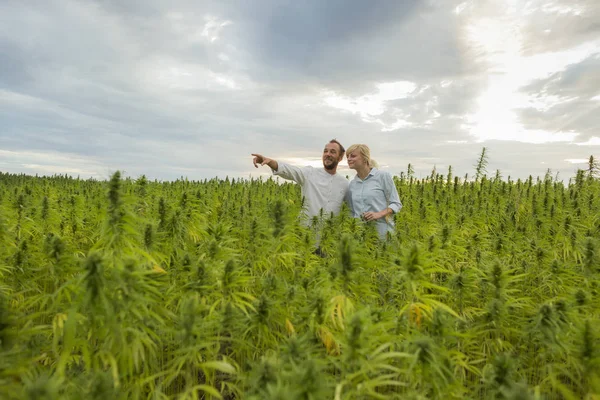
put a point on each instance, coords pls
(373, 172)
(324, 171)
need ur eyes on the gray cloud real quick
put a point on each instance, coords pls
(349, 48)
(562, 25)
(543, 25)
(577, 80)
(574, 88)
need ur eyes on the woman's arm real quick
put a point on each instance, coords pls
(391, 192)
(392, 199)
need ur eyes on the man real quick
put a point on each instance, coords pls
(322, 188)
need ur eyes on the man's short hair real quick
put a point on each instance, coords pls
(342, 150)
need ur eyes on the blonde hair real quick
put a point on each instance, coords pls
(365, 153)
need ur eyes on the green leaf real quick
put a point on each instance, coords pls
(219, 366)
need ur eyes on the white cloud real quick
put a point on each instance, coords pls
(172, 74)
(400, 123)
(553, 8)
(460, 8)
(501, 40)
(213, 27)
(49, 163)
(576, 160)
(187, 28)
(594, 141)
(393, 90)
(369, 106)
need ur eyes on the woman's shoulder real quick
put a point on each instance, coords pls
(385, 177)
(384, 174)
(376, 172)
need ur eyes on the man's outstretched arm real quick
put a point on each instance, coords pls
(283, 170)
(262, 160)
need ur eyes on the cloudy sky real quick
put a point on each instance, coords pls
(191, 88)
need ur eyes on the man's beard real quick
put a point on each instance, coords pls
(331, 166)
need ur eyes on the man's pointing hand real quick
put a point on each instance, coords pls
(260, 159)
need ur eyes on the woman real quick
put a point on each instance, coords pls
(372, 194)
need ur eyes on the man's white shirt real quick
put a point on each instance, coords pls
(320, 189)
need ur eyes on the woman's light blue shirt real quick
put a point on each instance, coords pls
(375, 193)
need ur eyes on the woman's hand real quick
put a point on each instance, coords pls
(372, 216)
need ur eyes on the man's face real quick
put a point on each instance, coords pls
(331, 156)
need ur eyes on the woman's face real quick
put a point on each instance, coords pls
(355, 160)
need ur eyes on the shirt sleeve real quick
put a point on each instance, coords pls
(291, 172)
(391, 193)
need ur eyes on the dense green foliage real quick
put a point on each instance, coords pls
(183, 290)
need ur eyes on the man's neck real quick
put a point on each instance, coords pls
(330, 171)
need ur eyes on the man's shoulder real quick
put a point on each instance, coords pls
(337, 176)
(341, 178)
(308, 170)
